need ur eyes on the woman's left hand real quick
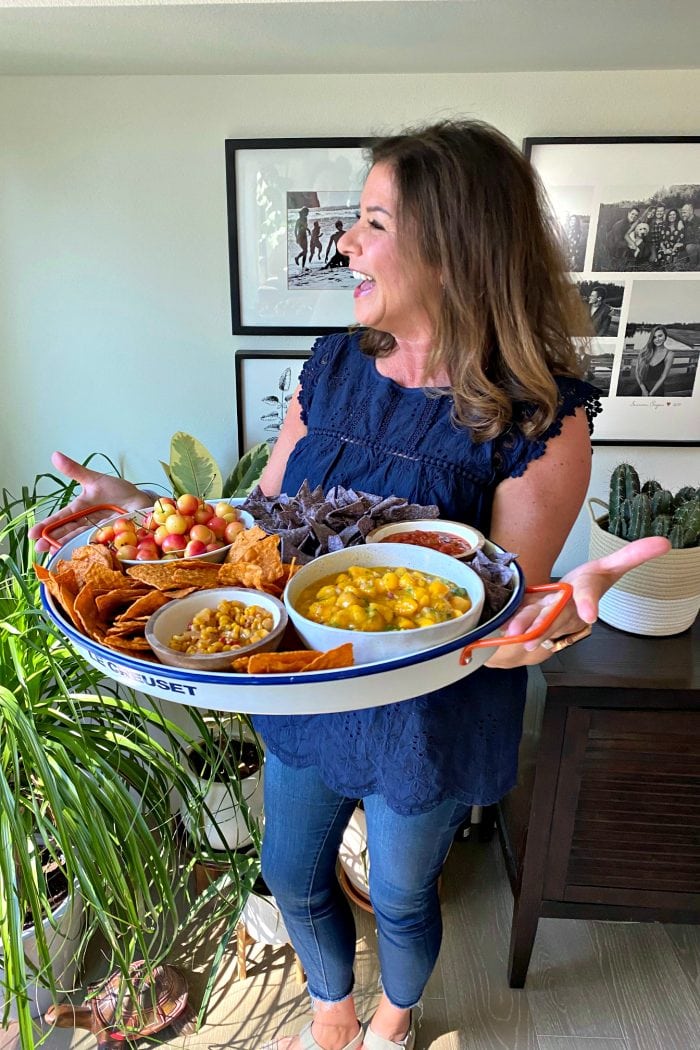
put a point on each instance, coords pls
(590, 581)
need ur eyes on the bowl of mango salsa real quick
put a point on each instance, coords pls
(388, 599)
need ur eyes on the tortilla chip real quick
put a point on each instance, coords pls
(93, 558)
(63, 589)
(240, 574)
(145, 605)
(65, 571)
(126, 627)
(243, 541)
(170, 574)
(100, 576)
(93, 554)
(298, 660)
(111, 602)
(241, 664)
(281, 663)
(128, 645)
(87, 612)
(266, 554)
(341, 656)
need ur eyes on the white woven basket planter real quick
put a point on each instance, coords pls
(659, 598)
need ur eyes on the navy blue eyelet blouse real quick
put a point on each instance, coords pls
(367, 432)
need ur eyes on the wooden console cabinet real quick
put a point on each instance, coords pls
(605, 820)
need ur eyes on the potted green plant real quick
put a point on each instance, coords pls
(192, 468)
(226, 768)
(661, 597)
(87, 774)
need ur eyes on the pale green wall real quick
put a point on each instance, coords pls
(114, 301)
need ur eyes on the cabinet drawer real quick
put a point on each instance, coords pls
(627, 809)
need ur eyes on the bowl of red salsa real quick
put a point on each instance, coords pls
(447, 537)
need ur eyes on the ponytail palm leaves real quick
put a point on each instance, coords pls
(87, 775)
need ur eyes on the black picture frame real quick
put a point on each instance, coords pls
(265, 382)
(609, 193)
(266, 182)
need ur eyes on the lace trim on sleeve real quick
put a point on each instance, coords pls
(321, 352)
(517, 453)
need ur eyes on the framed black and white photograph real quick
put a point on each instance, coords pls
(604, 302)
(289, 203)
(635, 203)
(265, 384)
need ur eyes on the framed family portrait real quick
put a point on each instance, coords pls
(629, 214)
(289, 203)
(265, 384)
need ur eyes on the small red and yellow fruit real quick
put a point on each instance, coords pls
(182, 527)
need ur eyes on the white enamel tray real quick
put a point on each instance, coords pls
(313, 692)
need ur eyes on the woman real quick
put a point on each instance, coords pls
(575, 244)
(672, 240)
(654, 363)
(460, 388)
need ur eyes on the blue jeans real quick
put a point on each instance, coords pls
(304, 825)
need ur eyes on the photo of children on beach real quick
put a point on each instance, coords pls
(316, 221)
(662, 340)
(655, 231)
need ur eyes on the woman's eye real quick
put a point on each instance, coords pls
(375, 225)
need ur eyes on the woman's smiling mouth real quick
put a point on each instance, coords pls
(366, 283)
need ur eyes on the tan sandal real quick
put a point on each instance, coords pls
(307, 1041)
(377, 1042)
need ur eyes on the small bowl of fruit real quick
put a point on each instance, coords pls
(174, 527)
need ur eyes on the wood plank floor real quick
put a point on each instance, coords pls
(591, 985)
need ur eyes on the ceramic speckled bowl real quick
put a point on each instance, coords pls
(174, 617)
(383, 645)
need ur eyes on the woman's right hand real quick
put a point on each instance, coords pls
(95, 488)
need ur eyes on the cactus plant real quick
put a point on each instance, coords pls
(636, 510)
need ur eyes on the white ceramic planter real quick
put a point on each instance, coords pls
(63, 939)
(226, 828)
(263, 921)
(659, 598)
(352, 855)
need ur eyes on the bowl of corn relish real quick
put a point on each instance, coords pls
(388, 599)
(208, 630)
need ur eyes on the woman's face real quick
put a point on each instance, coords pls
(391, 290)
(659, 337)
(671, 216)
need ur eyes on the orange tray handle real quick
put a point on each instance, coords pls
(48, 529)
(565, 589)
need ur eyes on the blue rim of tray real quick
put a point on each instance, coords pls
(107, 656)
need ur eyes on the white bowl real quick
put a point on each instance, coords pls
(173, 618)
(383, 645)
(215, 556)
(472, 536)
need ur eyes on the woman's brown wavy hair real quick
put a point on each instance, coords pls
(472, 209)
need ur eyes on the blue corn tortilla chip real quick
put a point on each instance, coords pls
(313, 522)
